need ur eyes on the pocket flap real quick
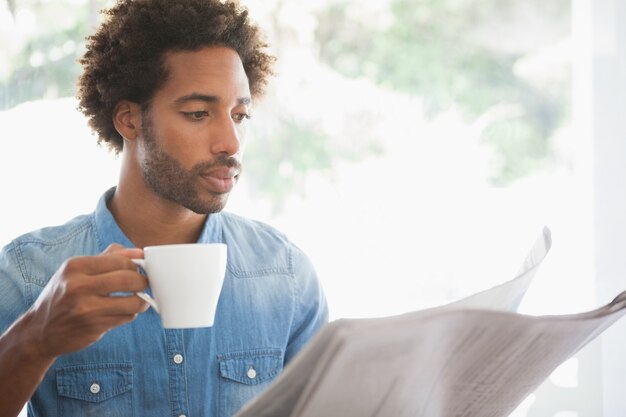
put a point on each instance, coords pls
(251, 367)
(94, 382)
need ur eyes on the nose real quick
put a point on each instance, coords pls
(226, 138)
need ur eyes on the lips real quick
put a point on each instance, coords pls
(220, 180)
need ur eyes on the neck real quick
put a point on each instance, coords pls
(148, 219)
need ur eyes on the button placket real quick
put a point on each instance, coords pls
(176, 372)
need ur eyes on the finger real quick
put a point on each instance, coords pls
(121, 306)
(117, 249)
(118, 281)
(115, 321)
(126, 306)
(100, 264)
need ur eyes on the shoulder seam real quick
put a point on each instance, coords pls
(82, 226)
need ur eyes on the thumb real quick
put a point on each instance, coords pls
(117, 249)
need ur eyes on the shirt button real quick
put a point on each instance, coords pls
(94, 388)
(178, 359)
(251, 373)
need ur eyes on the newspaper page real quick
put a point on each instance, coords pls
(310, 365)
(508, 296)
(456, 363)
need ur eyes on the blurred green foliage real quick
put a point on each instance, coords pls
(429, 49)
(49, 78)
(280, 162)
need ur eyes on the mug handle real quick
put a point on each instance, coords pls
(142, 263)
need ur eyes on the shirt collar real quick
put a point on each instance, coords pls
(109, 232)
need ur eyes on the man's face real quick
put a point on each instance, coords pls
(193, 133)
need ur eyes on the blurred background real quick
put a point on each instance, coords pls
(413, 148)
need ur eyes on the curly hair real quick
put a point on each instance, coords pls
(125, 57)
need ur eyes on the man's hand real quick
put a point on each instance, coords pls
(73, 311)
(76, 308)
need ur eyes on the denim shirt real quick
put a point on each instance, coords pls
(271, 304)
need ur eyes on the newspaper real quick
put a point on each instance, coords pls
(475, 357)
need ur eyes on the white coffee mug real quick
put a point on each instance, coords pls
(186, 282)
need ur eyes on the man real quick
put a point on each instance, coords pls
(169, 84)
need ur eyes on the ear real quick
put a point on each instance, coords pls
(127, 119)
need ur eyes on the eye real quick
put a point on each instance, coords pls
(195, 115)
(240, 117)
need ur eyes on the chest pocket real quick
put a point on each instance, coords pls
(95, 390)
(243, 375)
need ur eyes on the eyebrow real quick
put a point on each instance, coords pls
(208, 99)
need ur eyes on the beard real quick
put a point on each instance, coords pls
(165, 176)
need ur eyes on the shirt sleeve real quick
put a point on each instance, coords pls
(12, 288)
(311, 310)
